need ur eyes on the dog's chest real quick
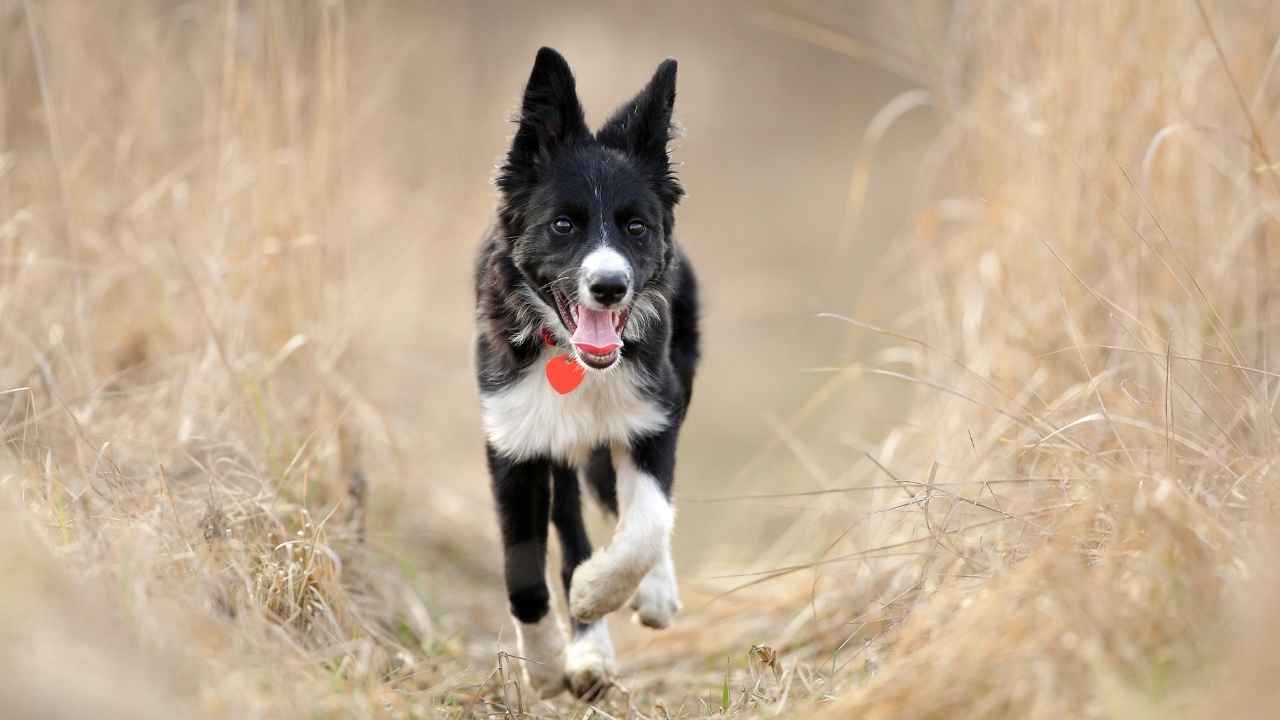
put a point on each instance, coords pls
(528, 418)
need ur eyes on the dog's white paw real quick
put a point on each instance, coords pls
(590, 663)
(541, 644)
(546, 679)
(601, 585)
(657, 601)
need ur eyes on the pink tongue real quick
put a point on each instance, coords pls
(596, 333)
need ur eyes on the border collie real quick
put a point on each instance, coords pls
(585, 349)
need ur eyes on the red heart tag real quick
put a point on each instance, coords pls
(564, 374)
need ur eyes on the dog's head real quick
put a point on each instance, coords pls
(589, 216)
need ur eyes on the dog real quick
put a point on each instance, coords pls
(586, 345)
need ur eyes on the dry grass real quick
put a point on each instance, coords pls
(1097, 272)
(208, 486)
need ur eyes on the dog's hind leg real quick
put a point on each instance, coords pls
(599, 476)
(657, 601)
(589, 660)
(642, 539)
(522, 491)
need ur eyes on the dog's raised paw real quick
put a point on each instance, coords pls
(601, 586)
(657, 601)
(589, 662)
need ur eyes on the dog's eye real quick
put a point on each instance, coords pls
(636, 227)
(562, 226)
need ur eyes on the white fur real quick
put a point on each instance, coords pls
(642, 538)
(601, 260)
(529, 315)
(541, 644)
(658, 599)
(644, 315)
(528, 418)
(589, 661)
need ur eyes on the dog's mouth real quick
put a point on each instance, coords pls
(596, 334)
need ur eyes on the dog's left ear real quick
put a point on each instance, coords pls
(642, 128)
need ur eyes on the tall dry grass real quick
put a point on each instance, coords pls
(1087, 483)
(181, 431)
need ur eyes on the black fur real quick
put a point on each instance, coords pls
(522, 491)
(621, 174)
(566, 514)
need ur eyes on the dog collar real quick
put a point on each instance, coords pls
(564, 374)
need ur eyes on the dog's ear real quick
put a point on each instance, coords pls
(642, 128)
(550, 117)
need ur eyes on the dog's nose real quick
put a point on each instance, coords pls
(608, 288)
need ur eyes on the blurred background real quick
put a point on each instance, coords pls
(985, 425)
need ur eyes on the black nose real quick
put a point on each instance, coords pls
(608, 288)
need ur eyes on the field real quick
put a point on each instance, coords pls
(987, 424)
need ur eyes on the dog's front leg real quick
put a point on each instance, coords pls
(642, 538)
(522, 491)
(589, 660)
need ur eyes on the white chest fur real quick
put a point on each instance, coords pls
(528, 418)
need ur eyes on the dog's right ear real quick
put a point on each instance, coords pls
(550, 117)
